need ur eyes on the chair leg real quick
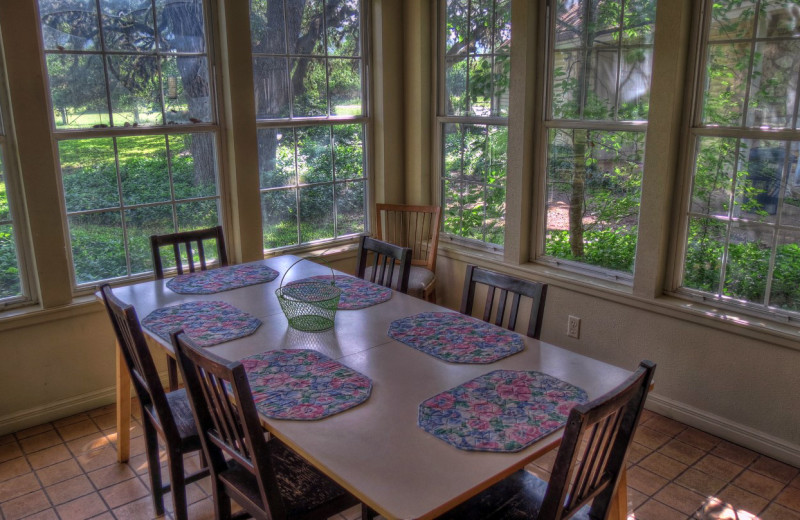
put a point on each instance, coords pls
(430, 294)
(178, 484)
(222, 503)
(367, 513)
(172, 373)
(154, 467)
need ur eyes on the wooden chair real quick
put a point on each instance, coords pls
(385, 257)
(506, 285)
(585, 474)
(265, 477)
(416, 227)
(187, 239)
(167, 415)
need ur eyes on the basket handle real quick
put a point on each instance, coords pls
(333, 275)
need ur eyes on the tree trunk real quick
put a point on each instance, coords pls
(185, 19)
(577, 197)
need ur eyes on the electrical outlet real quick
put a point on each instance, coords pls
(573, 327)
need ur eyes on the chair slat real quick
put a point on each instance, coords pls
(507, 285)
(385, 258)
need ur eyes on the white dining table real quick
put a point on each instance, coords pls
(376, 450)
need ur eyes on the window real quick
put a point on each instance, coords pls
(311, 110)
(12, 286)
(598, 96)
(474, 66)
(135, 124)
(742, 242)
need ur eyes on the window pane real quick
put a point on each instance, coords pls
(71, 25)
(78, 91)
(279, 214)
(749, 251)
(345, 87)
(193, 165)
(190, 101)
(703, 263)
(143, 169)
(98, 246)
(128, 26)
(276, 157)
(599, 71)
(731, 20)
(314, 161)
(476, 154)
(343, 23)
(350, 208)
(773, 84)
(308, 67)
(181, 26)
(348, 142)
(316, 212)
(140, 223)
(9, 264)
(310, 95)
(89, 174)
(726, 84)
(271, 86)
(785, 291)
(594, 188)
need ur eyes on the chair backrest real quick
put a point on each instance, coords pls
(416, 227)
(385, 257)
(139, 361)
(192, 242)
(226, 417)
(590, 470)
(500, 287)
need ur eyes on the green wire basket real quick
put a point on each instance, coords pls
(309, 306)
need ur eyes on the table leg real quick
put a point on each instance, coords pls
(618, 509)
(123, 409)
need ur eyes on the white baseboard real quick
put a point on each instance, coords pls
(56, 410)
(726, 429)
(17, 421)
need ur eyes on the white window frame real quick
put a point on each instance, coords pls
(213, 127)
(14, 194)
(696, 129)
(441, 120)
(298, 122)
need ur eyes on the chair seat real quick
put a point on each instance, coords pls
(302, 487)
(181, 410)
(419, 279)
(519, 496)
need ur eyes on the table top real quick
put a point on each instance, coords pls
(376, 450)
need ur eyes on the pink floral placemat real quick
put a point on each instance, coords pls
(455, 337)
(303, 385)
(504, 410)
(222, 279)
(356, 293)
(207, 323)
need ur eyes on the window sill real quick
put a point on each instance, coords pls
(35, 314)
(727, 320)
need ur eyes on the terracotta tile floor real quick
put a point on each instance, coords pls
(67, 470)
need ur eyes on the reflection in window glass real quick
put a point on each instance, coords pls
(11, 286)
(743, 224)
(475, 69)
(601, 70)
(133, 65)
(310, 98)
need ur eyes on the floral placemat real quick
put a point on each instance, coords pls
(303, 385)
(207, 323)
(356, 293)
(455, 337)
(222, 279)
(504, 410)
